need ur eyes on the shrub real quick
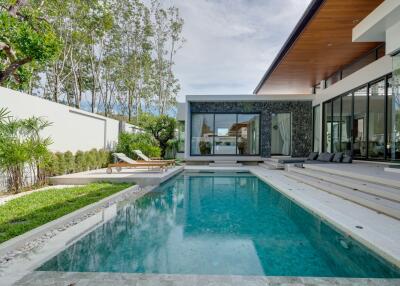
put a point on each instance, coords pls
(145, 142)
(79, 161)
(69, 160)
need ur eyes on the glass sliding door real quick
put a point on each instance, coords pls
(225, 134)
(376, 121)
(346, 126)
(360, 123)
(281, 134)
(336, 105)
(395, 152)
(316, 128)
(202, 133)
(248, 138)
(327, 125)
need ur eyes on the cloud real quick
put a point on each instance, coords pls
(231, 43)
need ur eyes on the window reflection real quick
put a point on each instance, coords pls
(248, 135)
(336, 125)
(346, 123)
(202, 134)
(360, 123)
(225, 134)
(327, 126)
(317, 129)
(376, 121)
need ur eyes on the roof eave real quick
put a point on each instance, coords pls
(304, 20)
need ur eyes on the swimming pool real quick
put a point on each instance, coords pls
(219, 223)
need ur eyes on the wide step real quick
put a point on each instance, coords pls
(357, 185)
(225, 164)
(380, 205)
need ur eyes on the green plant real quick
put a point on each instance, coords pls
(80, 161)
(145, 142)
(69, 162)
(60, 165)
(161, 127)
(205, 147)
(22, 150)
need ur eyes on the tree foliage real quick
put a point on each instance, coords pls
(113, 57)
(27, 40)
(162, 128)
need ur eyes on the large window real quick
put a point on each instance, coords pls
(337, 105)
(181, 136)
(327, 125)
(225, 134)
(361, 123)
(202, 134)
(248, 135)
(346, 129)
(376, 120)
(316, 128)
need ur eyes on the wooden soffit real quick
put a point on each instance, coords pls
(320, 45)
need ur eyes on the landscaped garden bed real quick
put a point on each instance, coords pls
(28, 212)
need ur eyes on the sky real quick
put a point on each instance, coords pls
(231, 43)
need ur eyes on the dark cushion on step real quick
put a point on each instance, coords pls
(312, 156)
(338, 157)
(347, 159)
(325, 157)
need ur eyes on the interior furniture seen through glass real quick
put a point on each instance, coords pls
(225, 134)
(281, 136)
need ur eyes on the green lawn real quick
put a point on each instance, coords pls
(28, 212)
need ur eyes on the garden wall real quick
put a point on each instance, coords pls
(72, 129)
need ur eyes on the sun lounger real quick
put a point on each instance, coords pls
(123, 161)
(147, 159)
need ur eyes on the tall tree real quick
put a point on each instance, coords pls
(167, 39)
(27, 39)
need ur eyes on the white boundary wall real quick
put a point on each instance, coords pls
(72, 129)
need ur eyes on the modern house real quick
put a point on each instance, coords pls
(334, 86)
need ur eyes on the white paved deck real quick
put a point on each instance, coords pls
(142, 177)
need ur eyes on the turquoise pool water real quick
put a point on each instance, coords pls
(222, 223)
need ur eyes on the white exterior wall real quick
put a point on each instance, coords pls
(72, 129)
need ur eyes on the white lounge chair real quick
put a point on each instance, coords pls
(124, 161)
(147, 159)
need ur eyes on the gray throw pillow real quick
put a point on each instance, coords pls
(338, 157)
(313, 156)
(325, 157)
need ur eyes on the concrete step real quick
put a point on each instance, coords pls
(378, 204)
(272, 165)
(393, 183)
(225, 163)
(354, 184)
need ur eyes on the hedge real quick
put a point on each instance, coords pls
(68, 163)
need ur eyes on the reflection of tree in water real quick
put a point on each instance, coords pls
(137, 233)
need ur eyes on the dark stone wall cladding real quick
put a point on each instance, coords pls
(301, 120)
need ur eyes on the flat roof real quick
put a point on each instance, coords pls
(320, 44)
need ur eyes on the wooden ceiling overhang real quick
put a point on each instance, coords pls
(320, 45)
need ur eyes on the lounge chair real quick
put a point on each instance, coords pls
(123, 161)
(147, 159)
